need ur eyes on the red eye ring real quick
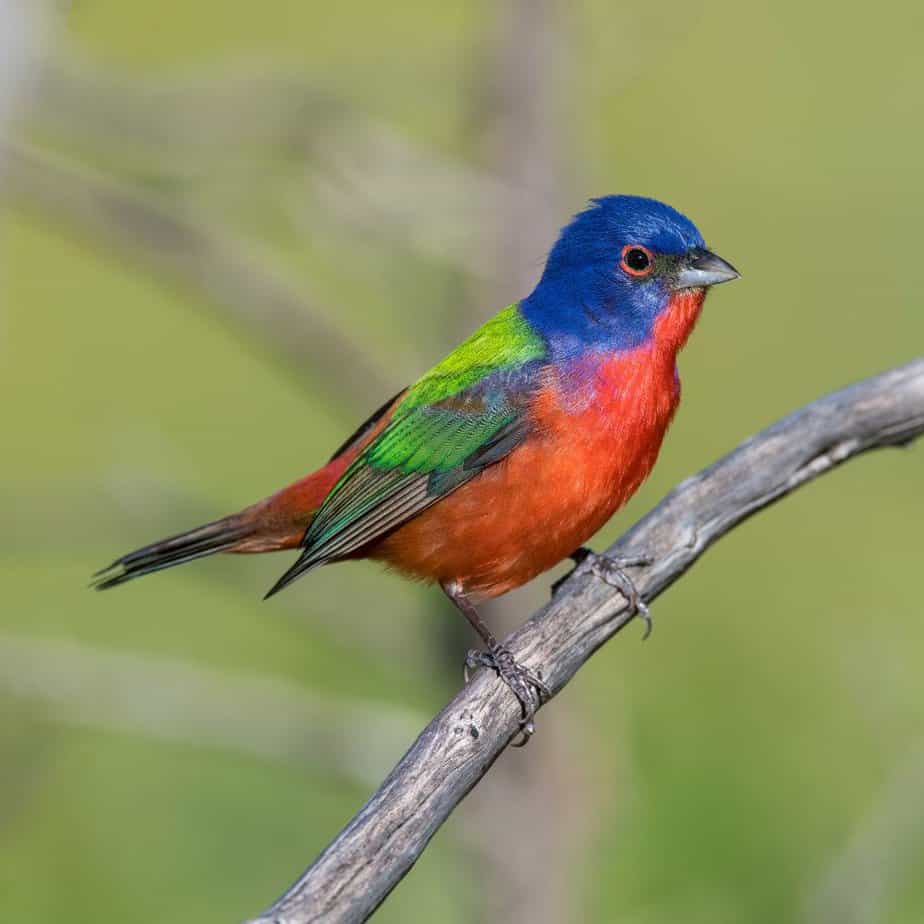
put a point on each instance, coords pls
(637, 260)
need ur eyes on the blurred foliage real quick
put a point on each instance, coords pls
(745, 749)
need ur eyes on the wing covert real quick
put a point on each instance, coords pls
(468, 412)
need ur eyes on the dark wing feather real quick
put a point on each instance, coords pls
(365, 426)
(421, 456)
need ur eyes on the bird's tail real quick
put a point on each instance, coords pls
(279, 522)
(221, 536)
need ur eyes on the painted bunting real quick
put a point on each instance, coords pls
(505, 457)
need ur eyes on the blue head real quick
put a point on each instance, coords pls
(613, 270)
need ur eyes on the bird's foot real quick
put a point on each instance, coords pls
(526, 686)
(611, 570)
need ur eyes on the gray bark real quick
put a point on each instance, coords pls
(351, 878)
(523, 835)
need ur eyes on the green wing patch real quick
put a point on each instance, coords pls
(506, 340)
(458, 418)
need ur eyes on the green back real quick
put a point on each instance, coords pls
(505, 341)
(455, 420)
(445, 416)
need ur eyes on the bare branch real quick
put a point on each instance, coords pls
(261, 716)
(525, 838)
(255, 293)
(351, 878)
(22, 43)
(304, 146)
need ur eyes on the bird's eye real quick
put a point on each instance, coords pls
(637, 260)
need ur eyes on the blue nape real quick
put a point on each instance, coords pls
(584, 298)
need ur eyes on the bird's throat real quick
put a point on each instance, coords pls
(675, 324)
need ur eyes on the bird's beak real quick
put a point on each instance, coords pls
(701, 268)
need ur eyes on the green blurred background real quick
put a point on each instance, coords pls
(231, 227)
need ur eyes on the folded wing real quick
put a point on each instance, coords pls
(467, 413)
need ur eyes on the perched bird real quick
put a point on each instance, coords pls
(508, 455)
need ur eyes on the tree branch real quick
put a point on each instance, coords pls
(305, 146)
(351, 878)
(256, 294)
(523, 837)
(163, 698)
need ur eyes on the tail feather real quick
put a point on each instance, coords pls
(278, 522)
(303, 565)
(220, 536)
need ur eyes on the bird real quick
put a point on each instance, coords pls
(509, 454)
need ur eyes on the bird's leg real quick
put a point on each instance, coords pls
(526, 686)
(611, 570)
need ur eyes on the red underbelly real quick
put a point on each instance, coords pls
(550, 495)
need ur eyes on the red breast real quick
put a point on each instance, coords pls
(587, 455)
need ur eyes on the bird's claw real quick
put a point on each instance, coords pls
(611, 570)
(529, 689)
